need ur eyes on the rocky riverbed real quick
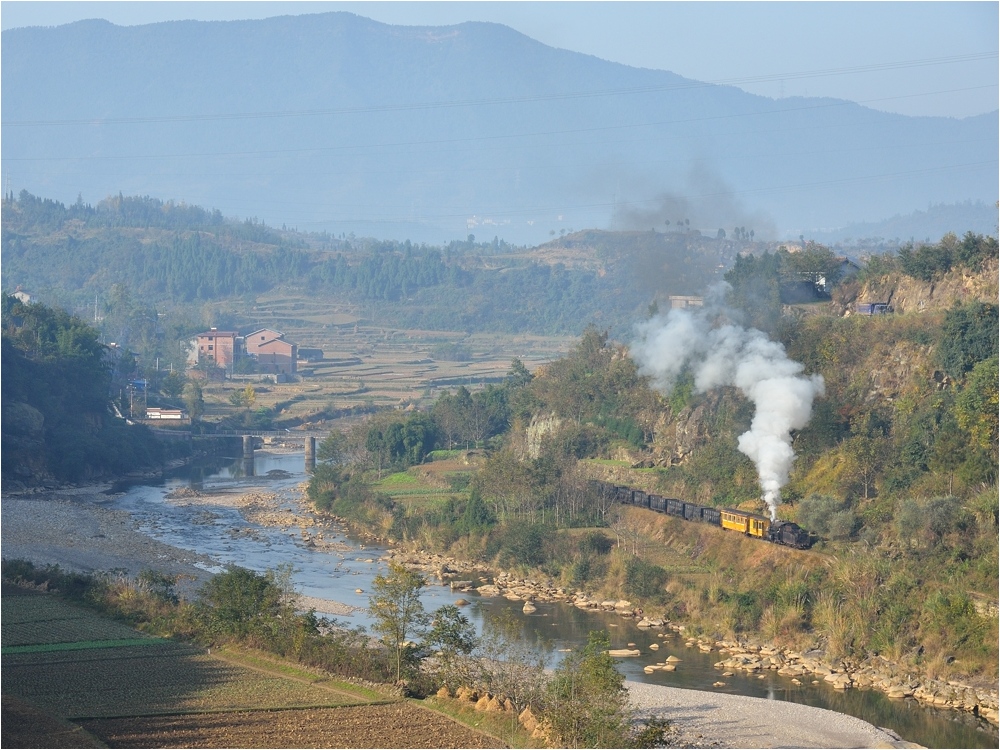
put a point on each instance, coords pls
(873, 673)
(270, 509)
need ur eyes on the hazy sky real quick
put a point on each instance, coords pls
(916, 58)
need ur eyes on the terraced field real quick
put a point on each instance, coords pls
(369, 364)
(67, 670)
(420, 487)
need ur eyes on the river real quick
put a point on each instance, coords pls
(222, 534)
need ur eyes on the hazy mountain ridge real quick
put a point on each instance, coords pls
(918, 226)
(343, 123)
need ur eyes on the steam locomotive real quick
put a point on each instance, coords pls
(779, 532)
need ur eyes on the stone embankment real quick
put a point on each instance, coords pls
(489, 703)
(873, 673)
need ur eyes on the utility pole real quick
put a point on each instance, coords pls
(614, 211)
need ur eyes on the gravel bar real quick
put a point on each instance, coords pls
(72, 530)
(703, 719)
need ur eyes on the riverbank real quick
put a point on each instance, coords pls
(700, 719)
(71, 528)
(74, 529)
(872, 673)
(292, 511)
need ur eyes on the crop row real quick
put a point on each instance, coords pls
(144, 680)
(33, 619)
(64, 631)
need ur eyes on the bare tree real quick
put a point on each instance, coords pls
(509, 665)
(625, 528)
(605, 498)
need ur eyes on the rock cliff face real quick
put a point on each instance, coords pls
(890, 366)
(541, 426)
(678, 435)
(909, 295)
(24, 442)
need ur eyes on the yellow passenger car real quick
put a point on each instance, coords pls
(746, 523)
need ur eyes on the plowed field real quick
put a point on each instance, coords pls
(393, 725)
(66, 669)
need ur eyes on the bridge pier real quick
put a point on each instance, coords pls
(248, 455)
(310, 454)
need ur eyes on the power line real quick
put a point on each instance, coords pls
(475, 139)
(538, 166)
(506, 100)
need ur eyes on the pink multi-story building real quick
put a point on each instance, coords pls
(272, 351)
(220, 347)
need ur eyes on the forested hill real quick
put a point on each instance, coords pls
(58, 419)
(175, 257)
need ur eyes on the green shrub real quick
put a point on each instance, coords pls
(459, 482)
(51, 577)
(827, 516)
(596, 543)
(926, 261)
(519, 543)
(245, 605)
(968, 336)
(644, 579)
(586, 703)
(476, 517)
(747, 610)
(954, 620)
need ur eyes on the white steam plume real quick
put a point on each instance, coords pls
(735, 356)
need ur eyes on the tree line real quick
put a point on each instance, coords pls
(59, 387)
(172, 255)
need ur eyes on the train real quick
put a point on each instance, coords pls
(785, 533)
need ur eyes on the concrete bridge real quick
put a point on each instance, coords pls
(308, 438)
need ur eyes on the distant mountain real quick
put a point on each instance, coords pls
(920, 226)
(336, 122)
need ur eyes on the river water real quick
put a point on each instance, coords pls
(221, 533)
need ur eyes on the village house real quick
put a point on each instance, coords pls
(684, 302)
(269, 348)
(273, 353)
(221, 347)
(253, 341)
